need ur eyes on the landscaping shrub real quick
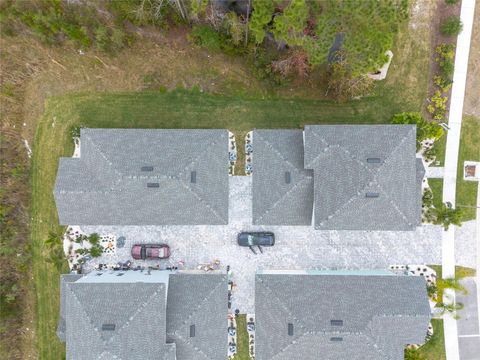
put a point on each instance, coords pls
(430, 154)
(451, 2)
(262, 65)
(205, 36)
(438, 105)
(445, 59)
(425, 129)
(414, 354)
(451, 26)
(427, 198)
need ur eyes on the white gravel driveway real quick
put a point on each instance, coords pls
(296, 247)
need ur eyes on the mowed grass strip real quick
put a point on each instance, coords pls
(466, 197)
(177, 109)
(242, 338)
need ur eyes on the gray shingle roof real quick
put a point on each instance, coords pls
(137, 310)
(106, 185)
(64, 279)
(277, 158)
(145, 327)
(199, 300)
(420, 175)
(343, 176)
(381, 314)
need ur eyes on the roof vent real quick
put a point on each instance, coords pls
(153, 185)
(336, 322)
(108, 327)
(193, 177)
(99, 274)
(288, 178)
(374, 160)
(192, 330)
(120, 274)
(336, 339)
(290, 329)
(147, 168)
(372, 195)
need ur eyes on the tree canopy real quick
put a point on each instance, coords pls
(368, 28)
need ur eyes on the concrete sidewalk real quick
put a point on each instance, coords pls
(451, 161)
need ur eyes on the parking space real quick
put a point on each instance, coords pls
(296, 247)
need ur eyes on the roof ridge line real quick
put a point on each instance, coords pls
(104, 342)
(314, 133)
(201, 199)
(97, 148)
(200, 303)
(394, 205)
(275, 150)
(302, 326)
(195, 348)
(185, 185)
(213, 142)
(139, 309)
(378, 348)
(281, 198)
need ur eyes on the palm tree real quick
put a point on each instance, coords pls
(451, 308)
(94, 239)
(56, 257)
(53, 240)
(451, 283)
(96, 250)
(447, 215)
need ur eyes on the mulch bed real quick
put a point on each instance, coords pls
(442, 12)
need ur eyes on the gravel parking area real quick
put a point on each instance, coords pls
(296, 247)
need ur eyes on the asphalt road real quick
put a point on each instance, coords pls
(468, 324)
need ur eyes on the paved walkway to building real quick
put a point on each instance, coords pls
(296, 247)
(435, 172)
(451, 160)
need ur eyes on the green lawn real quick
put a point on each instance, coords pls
(435, 348)
(436, 185)
(469, 150)
(242, 338)
(440, 146)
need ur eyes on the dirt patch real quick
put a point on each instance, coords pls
(472, 98)
(153, 62)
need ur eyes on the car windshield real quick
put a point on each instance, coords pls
(251, 240)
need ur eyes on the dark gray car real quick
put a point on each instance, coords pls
(259, 239)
